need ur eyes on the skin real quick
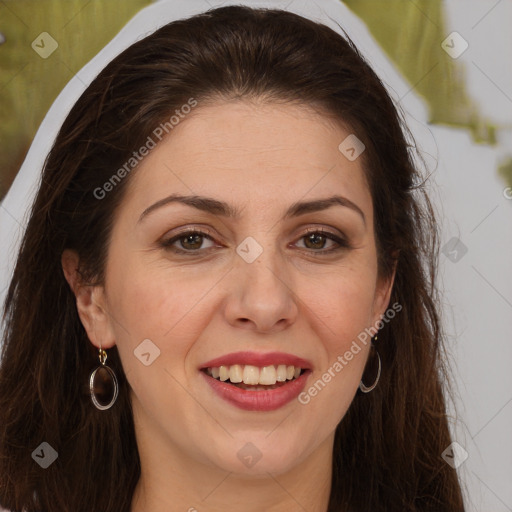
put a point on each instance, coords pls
(260, 158)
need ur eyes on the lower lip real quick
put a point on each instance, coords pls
(259, 400)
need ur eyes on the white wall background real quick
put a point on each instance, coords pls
(479, 286)
(468, 192)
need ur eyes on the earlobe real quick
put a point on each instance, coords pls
(90, 303)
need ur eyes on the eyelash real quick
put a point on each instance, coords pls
(342, 243)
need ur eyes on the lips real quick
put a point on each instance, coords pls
(257, 359)
(257, 397)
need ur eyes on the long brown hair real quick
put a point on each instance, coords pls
(387, 451)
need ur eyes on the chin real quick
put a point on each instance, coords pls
(256, 457)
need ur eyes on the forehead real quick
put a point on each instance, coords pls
(239, 151)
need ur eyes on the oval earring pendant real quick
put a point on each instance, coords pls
(103, 385)
(362, 386)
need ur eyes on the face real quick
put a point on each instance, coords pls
(267, 270)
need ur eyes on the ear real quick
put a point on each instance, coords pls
(90, 303)
(383, 293)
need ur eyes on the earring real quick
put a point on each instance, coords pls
(367, 389)
(103, 384)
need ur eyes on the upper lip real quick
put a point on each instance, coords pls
(257, 359)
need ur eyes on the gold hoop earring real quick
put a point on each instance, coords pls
(103, 384)
(362, 386)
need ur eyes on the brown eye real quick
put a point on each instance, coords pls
(193, 241)
(316, 240)
(189, 242)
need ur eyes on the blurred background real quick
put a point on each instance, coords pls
(453, 58)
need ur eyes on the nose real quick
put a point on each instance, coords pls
(260, 296)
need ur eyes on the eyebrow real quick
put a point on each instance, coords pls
(216, 207)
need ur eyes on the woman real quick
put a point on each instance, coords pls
(230, 220)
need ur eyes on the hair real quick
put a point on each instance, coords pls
(387, 448)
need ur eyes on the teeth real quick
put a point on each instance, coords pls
(268, 375)
(236, 373)
(252, 375)
(224, 372)
(282, 374)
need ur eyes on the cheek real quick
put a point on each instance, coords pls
(344, 304)
(342, 313)
(343, 310)
(156, 302)
(168, 308)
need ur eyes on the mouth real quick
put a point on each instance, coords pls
(257, 381)
(254, 388)
(254, 378)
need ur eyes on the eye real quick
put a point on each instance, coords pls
(189, 241)
(315, 240)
